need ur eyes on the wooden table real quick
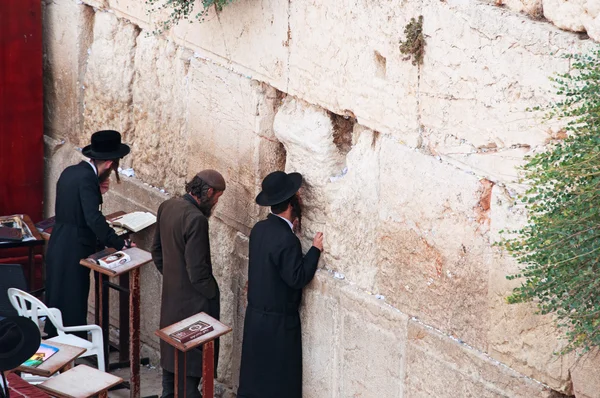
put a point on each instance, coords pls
(31, 244)
(208, 350)
(80, 382)
(139, 257)
(60, 361)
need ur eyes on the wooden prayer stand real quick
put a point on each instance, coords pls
(139, 257)
(80, 382)
(208, 350)
(61, 361)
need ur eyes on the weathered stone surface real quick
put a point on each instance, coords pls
(372, 347)
(349, 62)
(307, 133)
(351, 235)
(321, 326)
(251, 36)
(160, 101)
(427, 266)
(67, 37)
(441, 367)
(585, 376)
(223, 239)
(575, 15)
(227, 134)
(109, 76)
(477, 81)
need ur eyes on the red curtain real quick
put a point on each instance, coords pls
(21, 108)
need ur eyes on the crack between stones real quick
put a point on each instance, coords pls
(289, 51)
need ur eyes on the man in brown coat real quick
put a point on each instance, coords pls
(181, 252)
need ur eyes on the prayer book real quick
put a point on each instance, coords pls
(46, 225)
(191, 332)
(113, 260)
(133, 222)
(10, 234)
(43, 353)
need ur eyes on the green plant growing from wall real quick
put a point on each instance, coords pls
(414, 45)
(182, 10)
(559, 248)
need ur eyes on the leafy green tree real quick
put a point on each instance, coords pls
(559, 248)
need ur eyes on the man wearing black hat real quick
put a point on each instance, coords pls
(79, 226)
(19, 340)
(181, 252)
(272, 348)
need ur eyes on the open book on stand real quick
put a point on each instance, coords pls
(133, 222)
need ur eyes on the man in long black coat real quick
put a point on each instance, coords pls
(79, 227)
(181, 253)
(272, 347)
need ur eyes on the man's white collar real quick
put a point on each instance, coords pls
(93, 166)
(285, 219)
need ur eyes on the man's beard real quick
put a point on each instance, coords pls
(207, 205)
(297, 211)
(105, 175)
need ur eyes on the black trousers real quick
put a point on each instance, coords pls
(191, 386)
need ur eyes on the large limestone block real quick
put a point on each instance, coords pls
(351, 232)
(226, 132)
(477, 79)
(67, 37)
(160, 90)
(372, 347)
(353, 344)
(320, 337)
(345, 57)
(432, 255)
(223, 241)
(308, 135)
(252, 36)
(109, 78)
(438, 366)
(575, 15)
(240, 289)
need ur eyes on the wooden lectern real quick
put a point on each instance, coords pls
(139, 257)
(208, 350)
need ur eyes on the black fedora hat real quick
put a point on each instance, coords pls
(278, 187)
(106, 145)
(19, 339)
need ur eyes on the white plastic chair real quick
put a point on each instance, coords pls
(19, 299)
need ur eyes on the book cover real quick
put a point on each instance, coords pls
(43, 353)
(46, 225)
(11, 234)
(191, 332)
(114, 260)
(102, 253)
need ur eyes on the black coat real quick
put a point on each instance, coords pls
(78, 228)
(181, 252)
(272, 348)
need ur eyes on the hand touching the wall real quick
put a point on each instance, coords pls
(318, 241)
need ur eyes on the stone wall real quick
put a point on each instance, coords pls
(409, 170)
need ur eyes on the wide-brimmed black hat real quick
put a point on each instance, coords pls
(278, 187)
(19, 339)
(106, 145)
